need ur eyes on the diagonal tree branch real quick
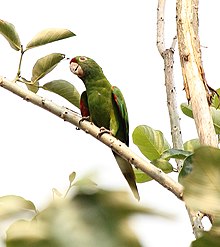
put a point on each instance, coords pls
(116, 145)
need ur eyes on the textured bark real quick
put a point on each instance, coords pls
(167, 55)
(197, 90)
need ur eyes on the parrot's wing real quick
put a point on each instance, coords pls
(84, 108)
(124, 165)
(122, 110)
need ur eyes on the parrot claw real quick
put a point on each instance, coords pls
(83, 119)
(103, 130)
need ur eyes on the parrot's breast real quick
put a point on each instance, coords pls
(100, 105)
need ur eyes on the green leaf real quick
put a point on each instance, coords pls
(65, 90)
(187, 110)
(45, 65)
(8, 31)
(141, 177)
(72, 177)
(81, 221)
(202, 185)
(216, 119)
(11, 205)
(24, 233)
(48, 36)
(162, 164)
(85, 182)
(33, 87)
(175, 153)
(215, 101)
(151, 143)
(186, 169)
(191, 145)
(207, 240)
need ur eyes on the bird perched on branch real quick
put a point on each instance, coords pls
(105, 106)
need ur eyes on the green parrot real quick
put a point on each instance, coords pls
(105, 106)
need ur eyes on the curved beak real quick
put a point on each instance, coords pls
(76, 69)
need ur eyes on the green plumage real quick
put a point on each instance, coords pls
(105, 105)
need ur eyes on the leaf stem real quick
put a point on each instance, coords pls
(18, 75)
(68, 189)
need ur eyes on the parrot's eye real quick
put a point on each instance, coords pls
(82, 59)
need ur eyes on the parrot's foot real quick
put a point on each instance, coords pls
(83, 119)
(103, 130)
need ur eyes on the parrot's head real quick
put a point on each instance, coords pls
(85, 67)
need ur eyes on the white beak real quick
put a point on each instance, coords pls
(76, 69)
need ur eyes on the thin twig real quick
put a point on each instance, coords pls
(160, 26)
(172, 103)
(167, 55)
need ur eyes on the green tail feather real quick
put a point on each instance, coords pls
(128, 173)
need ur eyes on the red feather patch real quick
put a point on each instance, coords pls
(115, 96)
(84, 109)
(73, 60)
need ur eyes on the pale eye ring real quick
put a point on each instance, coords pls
(82, 59)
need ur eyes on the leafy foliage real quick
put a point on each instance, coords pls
(175, 153)
(150, 142)
(202, 185)
(187, 168)
(215, 101)
(43, 65)
(162, 164)
(12, 205)
(49, 35)
(72, 177)
(191, 145)
(64, 89)
(90, 218)
(187, 110)
(8, 31)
